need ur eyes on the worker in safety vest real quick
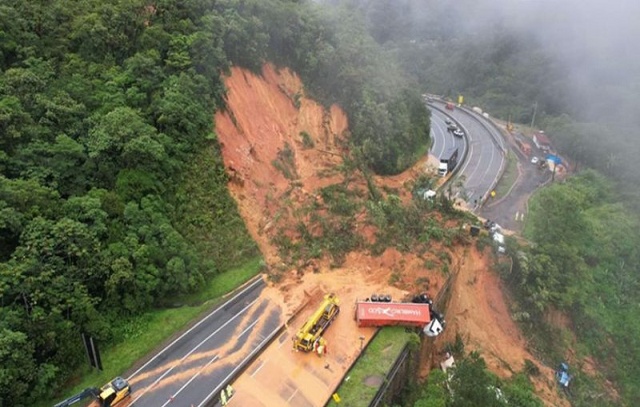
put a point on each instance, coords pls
(223, 398)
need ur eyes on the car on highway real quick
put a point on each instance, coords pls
(452, 127)
(458, 133)
(448, 121)
(535, 160)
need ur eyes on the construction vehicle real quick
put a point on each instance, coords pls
(309, 335)
(108, 395)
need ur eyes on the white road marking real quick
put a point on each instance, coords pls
(204, 367)
(292, 395)
(250, 286)
(190, 380)
(233, 372)
(191, 351)
(493, 151)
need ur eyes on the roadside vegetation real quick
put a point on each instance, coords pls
(144, 333)
(468, 383)
(509, 177)
(333, 225)
(584, 264)
(373, 366)
(471, 384)
(113, 195)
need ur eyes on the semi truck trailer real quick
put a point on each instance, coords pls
(448, 161)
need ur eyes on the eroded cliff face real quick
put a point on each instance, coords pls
(280, 148)
(272, 137)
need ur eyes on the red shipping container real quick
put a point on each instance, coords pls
(392, 313)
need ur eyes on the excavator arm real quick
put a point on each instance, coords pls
(91, 392)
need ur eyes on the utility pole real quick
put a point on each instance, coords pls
(535, 109)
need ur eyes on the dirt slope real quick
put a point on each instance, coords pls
(478, 311)
(264, 122)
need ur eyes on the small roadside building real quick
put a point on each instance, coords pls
(542, 141)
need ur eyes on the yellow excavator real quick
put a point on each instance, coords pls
(108, 395)
(309, 335)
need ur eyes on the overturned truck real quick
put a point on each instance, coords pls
(419, 315)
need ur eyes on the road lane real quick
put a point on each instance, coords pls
(204, 357)
(485, 159)
(442, 138)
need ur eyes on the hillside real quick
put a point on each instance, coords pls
(266, 115)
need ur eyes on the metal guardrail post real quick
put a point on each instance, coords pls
(464, 156)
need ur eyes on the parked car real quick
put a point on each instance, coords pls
(535, 160)
(458, 133)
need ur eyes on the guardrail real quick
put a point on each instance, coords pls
(389, 378)
(464, 155)
(492, 129)
(489, 125)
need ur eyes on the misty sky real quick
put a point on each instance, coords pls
(597, 36)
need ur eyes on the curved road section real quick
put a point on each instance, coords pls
(443, 139)
(485, 160)
(193, 369)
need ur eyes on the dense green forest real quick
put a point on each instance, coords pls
(585, 263)
(106, 130)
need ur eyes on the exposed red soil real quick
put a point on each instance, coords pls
(267, 113)
(478, 311)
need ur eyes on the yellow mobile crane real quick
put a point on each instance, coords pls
(312, 330)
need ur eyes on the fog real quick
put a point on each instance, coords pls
(593, 40)
(562, 56)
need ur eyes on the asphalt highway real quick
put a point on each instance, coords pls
(193, 368)
(480, 171)
(443, 139)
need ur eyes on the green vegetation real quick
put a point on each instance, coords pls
(584, 263)
(471, 384)
(509, 177)
(339, 61)
(375, 362)
(285, 162)
(407, 227)
(583, 255)
(505, 69)
(144, 333)
(307, 141)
